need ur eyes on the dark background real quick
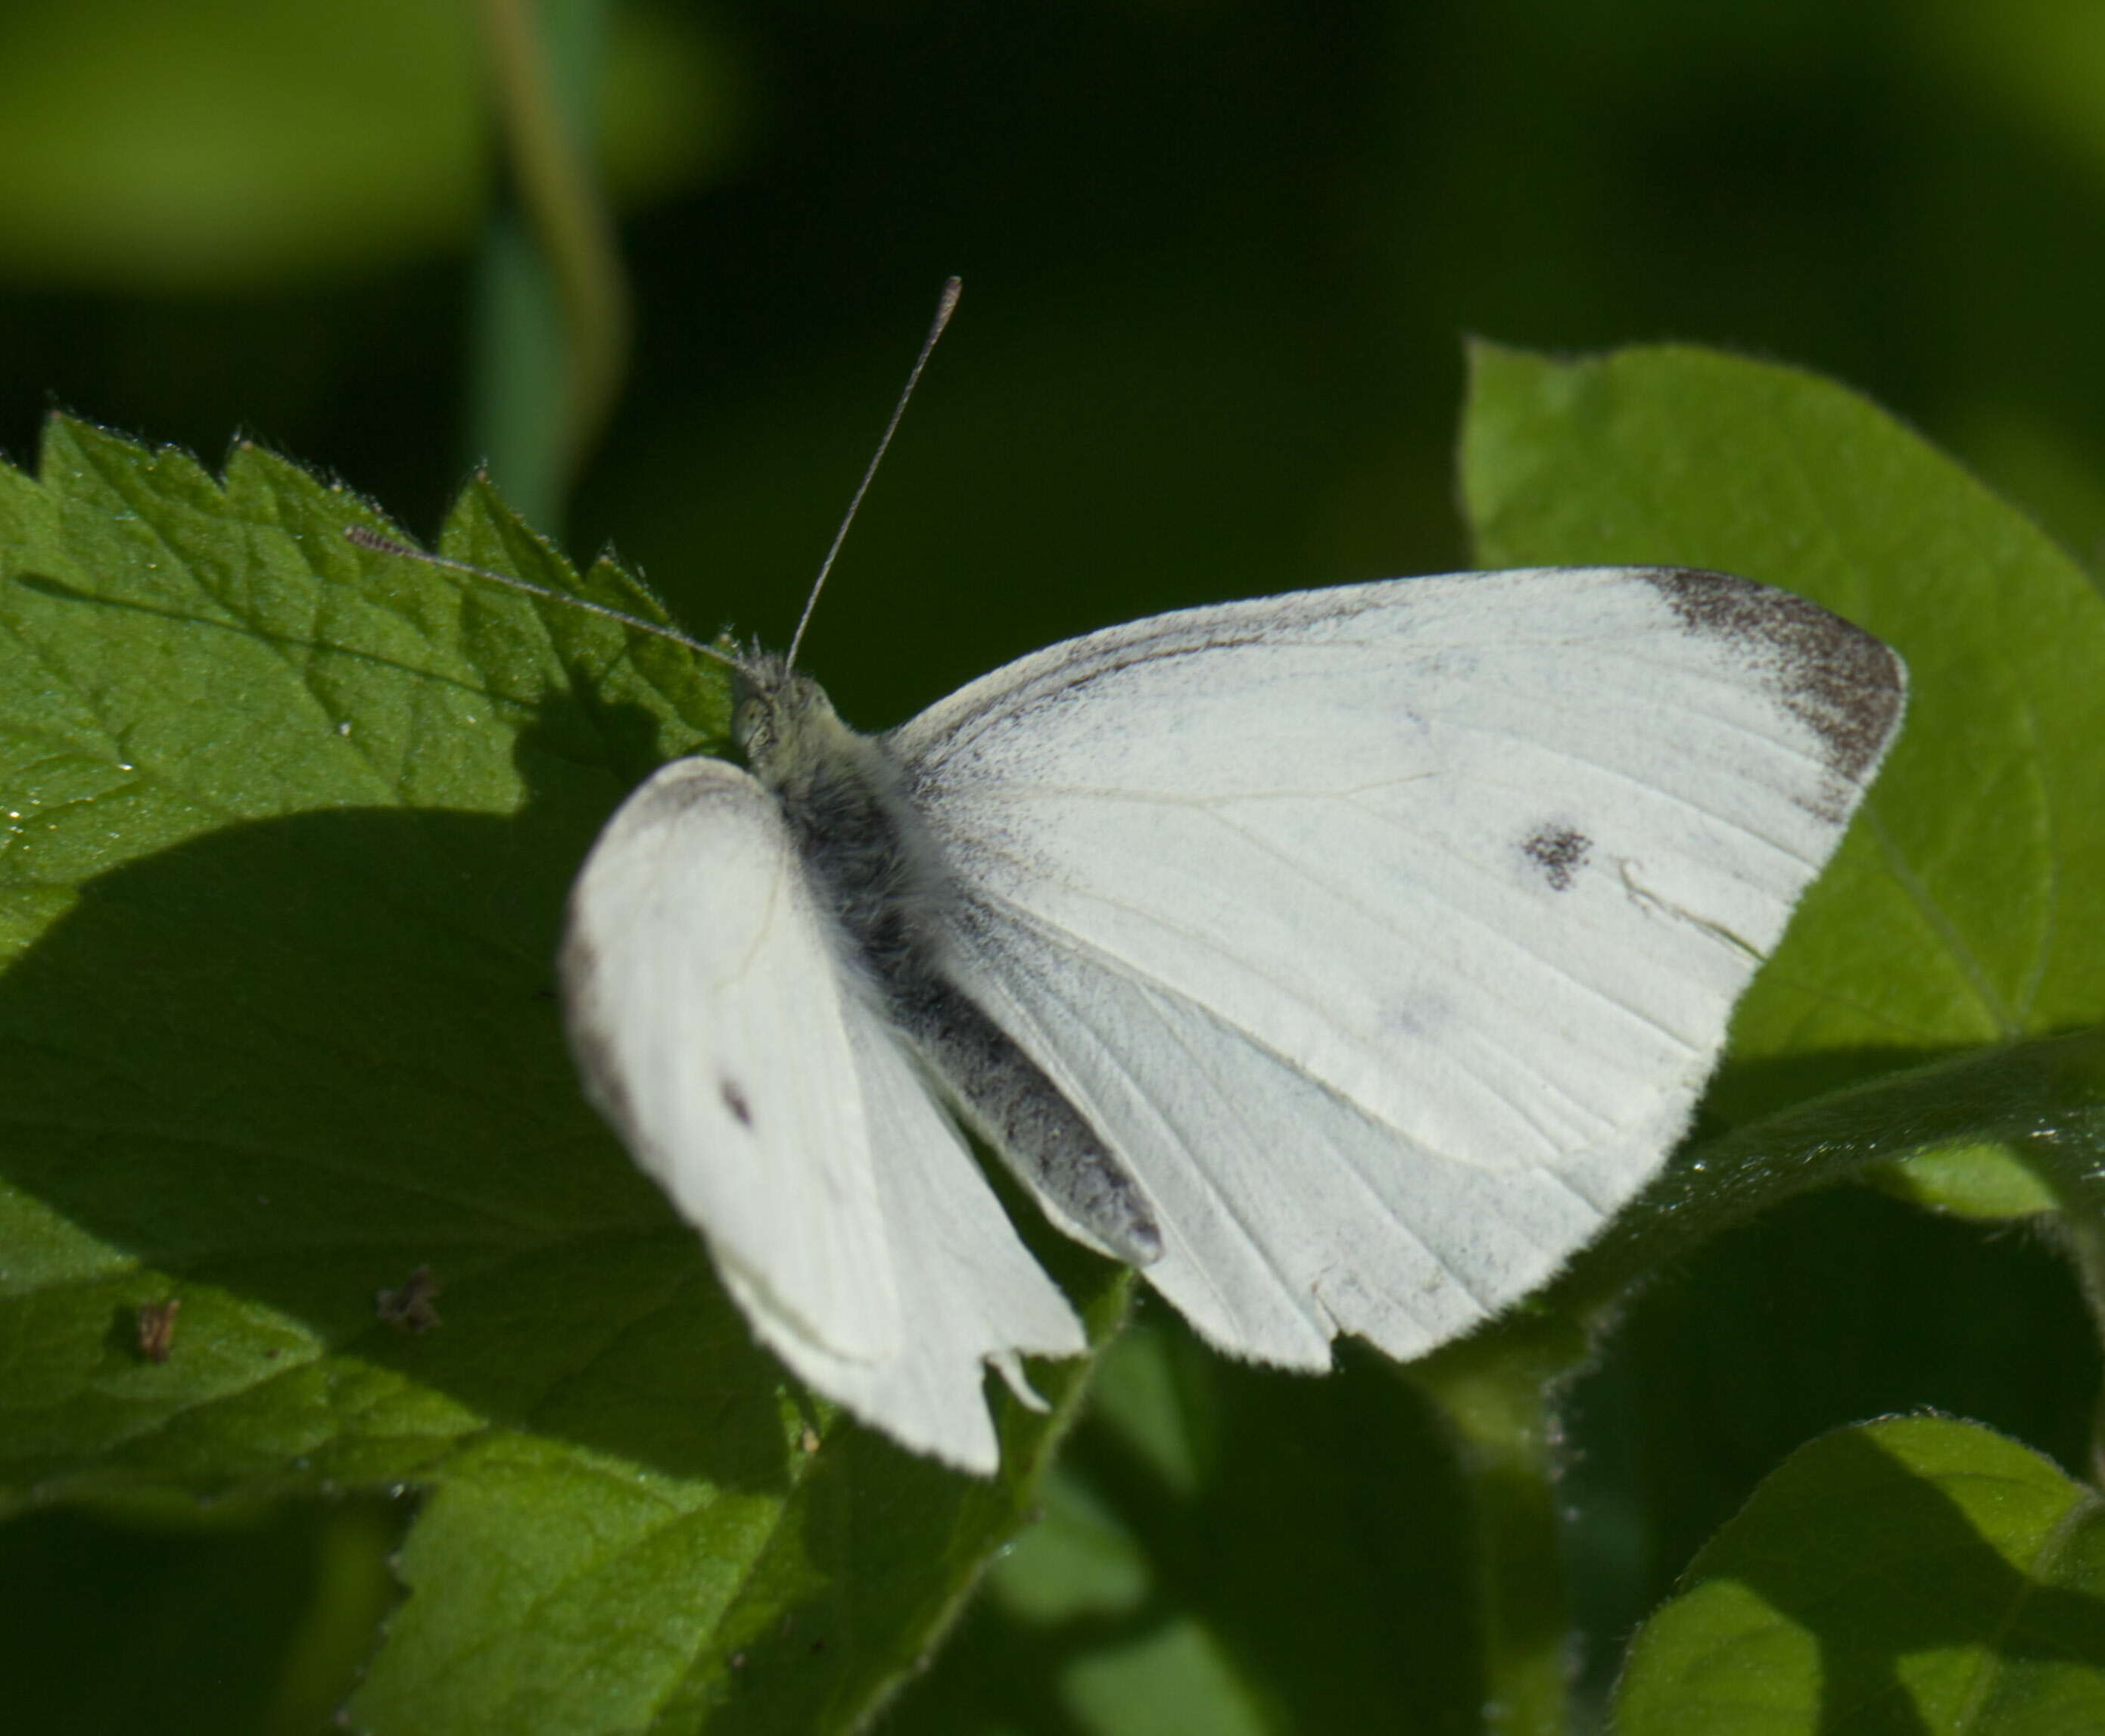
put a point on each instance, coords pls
(1219, 259)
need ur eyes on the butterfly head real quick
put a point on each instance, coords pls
(781, 719)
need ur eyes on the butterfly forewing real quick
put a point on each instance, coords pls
(706, 1011)
(1388, 933)
(971, 1294)
(720, 1031)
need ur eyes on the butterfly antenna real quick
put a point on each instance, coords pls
(946, 304)
(380, 545)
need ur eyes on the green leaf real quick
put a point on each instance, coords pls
(1228, 1549)
(1963, 910)
(289, 829)
(191, 1623)
(1968, 903)
(1919, 1576)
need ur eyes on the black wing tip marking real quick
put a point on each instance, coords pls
(1558, 852)
(1843, 683)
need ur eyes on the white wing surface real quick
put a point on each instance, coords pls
(714, 1028)
(1388, 933)
(971, 1294)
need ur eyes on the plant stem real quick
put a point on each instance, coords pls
(1499, 1391)
(2044, 1099)
(552, 320)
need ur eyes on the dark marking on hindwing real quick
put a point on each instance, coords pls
(735, 1101)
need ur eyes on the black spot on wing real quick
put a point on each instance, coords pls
(735, 1101)
(1559, 853)
(1832, 676)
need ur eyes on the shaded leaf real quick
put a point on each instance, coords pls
(289, 829)
(1919, 1577)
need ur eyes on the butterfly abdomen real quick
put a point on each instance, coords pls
(1023, 1114)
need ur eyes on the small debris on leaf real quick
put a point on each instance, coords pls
(157, 1328)
(412, 1308)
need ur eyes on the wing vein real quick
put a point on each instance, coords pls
(1381, 1206)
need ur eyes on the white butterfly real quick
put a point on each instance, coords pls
(1342, 959)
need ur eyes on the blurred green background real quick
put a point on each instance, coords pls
(1218, 259)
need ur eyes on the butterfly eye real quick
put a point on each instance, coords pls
(753, 727)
